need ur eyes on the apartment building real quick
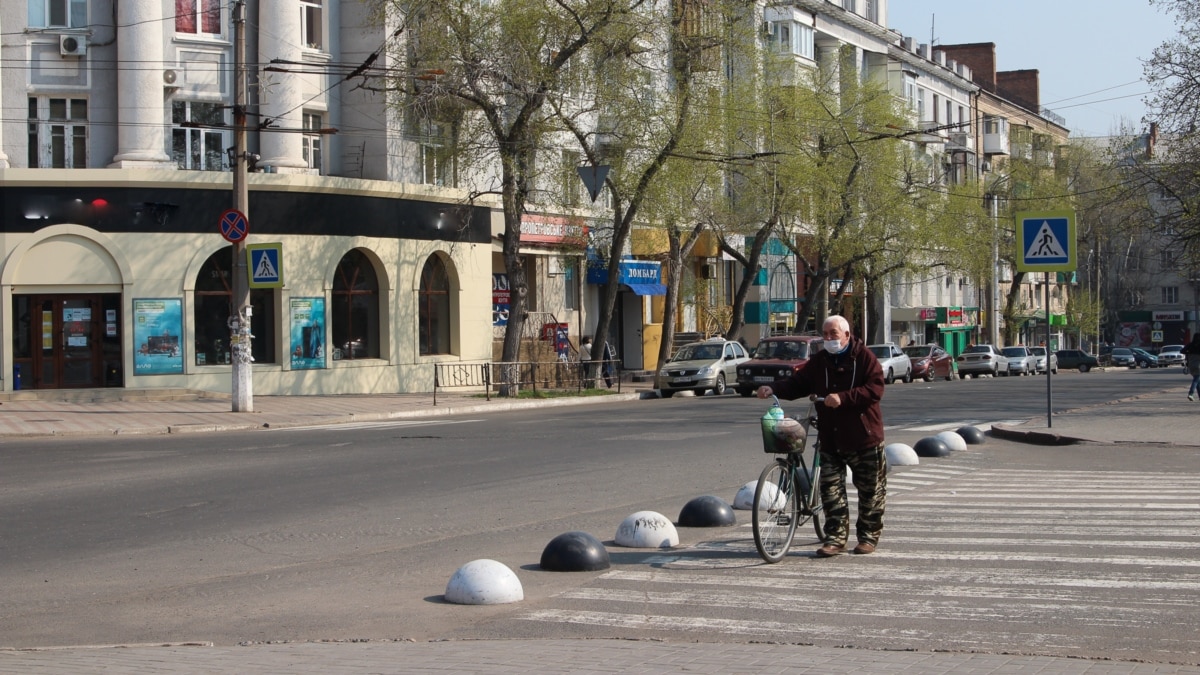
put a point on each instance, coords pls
(116, 171)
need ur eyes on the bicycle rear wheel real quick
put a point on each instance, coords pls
(776, 511)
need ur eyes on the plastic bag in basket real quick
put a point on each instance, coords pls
(785, 435)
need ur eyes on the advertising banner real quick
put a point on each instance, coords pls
(307, 333)
(157, 327)
(501, 297)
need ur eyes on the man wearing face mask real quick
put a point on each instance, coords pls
(850, 379)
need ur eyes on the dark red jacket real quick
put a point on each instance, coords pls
(857, 378)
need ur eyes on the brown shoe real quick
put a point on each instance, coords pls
(830, 550)
(864, 548)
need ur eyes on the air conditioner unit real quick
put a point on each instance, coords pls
(170, 77)
(72, 45)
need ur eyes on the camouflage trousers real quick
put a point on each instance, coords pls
(869, 467)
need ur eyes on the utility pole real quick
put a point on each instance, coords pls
(239, 322)
(994, 318)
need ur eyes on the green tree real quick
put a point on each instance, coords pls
(491, 68)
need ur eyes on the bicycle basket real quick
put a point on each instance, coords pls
(783, 436)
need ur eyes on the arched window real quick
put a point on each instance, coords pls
(214, 306)
(434, 312)
(355, 317)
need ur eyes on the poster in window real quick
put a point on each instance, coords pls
(157, 327)
(307, 333)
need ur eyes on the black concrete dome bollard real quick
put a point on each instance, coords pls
(971, 434)
(931, 446)
(707, 511)
(575, 552)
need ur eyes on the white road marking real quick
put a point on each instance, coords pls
(375, 425)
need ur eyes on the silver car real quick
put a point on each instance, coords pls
(1020, 360)
(1039, 353)
(701, 366)
(895, 363)
(1172, 355)
(979, 360)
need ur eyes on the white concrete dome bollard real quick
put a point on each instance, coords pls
(647, 529)
(899, 454)
(953, 441)
(484, 582)
(745, 496)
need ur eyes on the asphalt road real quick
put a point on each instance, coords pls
(352, 532)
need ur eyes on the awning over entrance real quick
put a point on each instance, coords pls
(643, 277)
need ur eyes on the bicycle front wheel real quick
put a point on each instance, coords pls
(776, 511)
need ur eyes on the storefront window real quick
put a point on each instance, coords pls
(355, 316)
(434, 314)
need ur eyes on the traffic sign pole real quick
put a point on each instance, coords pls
(239, 322)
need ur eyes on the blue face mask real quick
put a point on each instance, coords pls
(833, 346)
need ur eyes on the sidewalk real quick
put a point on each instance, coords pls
(1165, 417)
(194, 414)
(1160, 418)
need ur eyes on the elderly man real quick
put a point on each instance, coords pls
(850, 379)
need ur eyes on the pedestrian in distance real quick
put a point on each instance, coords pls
(1192, 352)
(850, 427)
(610, 364)
(585, 358)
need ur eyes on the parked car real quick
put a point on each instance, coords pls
(1123, 356)
(1077, 359)
(1171, 355)
(700, 366)
(1039, 353)
(775, 358)
(930, 361)
(895, 362)
(1144, 358)
(979, 360)
(1020, 360)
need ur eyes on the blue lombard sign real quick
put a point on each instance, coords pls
(631, 273)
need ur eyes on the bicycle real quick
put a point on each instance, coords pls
(778, 505)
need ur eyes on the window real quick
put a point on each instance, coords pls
(312, 141)
(433, 311)
(214, 306)
(198, 17)
(804, 40)
(58, 133)
(920, 104)
(195, 147)
(871, 11)
(58, 13)
(437, 158)
(781, 37)
(570, 277)
(937, 102)
(310, 24)
(355, 316)
(1170, 295)
(571, 188)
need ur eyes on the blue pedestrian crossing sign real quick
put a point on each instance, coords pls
(1046, 241)
(266, 265)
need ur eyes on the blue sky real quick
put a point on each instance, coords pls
(1088, 52)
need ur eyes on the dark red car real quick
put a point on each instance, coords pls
(930, 361)
(773, 358)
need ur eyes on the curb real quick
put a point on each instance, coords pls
(1039, 437)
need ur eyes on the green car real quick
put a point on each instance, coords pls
(1076, 358)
